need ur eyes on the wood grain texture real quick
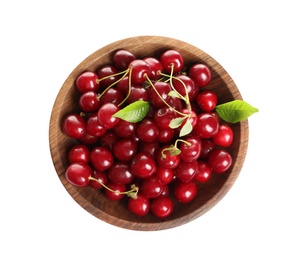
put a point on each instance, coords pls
(113, 212)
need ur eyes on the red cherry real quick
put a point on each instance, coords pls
(78, 174)
(94, 127)
(207, 100)
(116, 191)
(186, 171)
(185, 191)
(151, 187)
(191, 148)
(105, 115)
(224, 136)
(74, 126)
(219, 160)
(139, 206)
(108, 72)
(101, 177)
(172, 58)
(122, 58)
(120, 173)
(201, 74)
(143, 165)
(89, 101)
(79, 153)
(101, 158)
(165, 175)
(139, 70)
(87, 81)
(203, 173)
(162, 206)
(156, 67)
(166, 159)
(207, 125)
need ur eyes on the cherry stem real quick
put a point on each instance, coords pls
(129, 87)
(125, 72)
(183, 141)
(171, 77)
(152, 85)
(133, 190)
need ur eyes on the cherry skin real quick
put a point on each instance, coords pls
(143, 165)
(88, 139)
(149, 147)
(186, 171)
(162, 207)
(79, 153)
(117, 188)
(165, 175)
(87, 81)
(151, 187)
(137, 92)
(167, 160)
(124, 149)
(139, 206)
(201, 74)
(183, 83)
(207, 125)
(139, 70)
(94, 127)
(120, 173)
(78, 174)
(105, 115)
(207, 100)
(108, 140)
(74, 126)
(163, 117)
(166, 135)
(101, 158)
(112, 95)
(207, 145)
(122, 58)
(191, 148)
(89, 101)
(125, 129)
(108, 72)
(172, 58)
(163, 88)
(203, 173)
(156, 67)
(147, 130)
(224, 136)
(219, 160)
(185, 192)
(101, 177)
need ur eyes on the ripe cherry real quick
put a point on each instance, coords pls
(98, 178)
(124, 149)
(94, 127)
(115, 191)
(89, 101)
(156, 67)
(172, 60)
(165, 175)
(108, 75)
(163, 88)
(120, 173)
(207, 100)
(79, 153)
(151, 187)
(203, 173)
(87, 81)
(219, 160)
(143, 165)
(186, 171)
(147, 130)
(139, 206)
(184, 84)
(207, 125)
(105, 115)
(101, 158)
(167, 159)
(185, 191)
(74, 126)
(162, 206)
(201, 74)
(190, 148)
(78, 174)
(122, 58)
(139, 70)
(224, 136)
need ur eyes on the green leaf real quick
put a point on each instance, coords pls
(186, 129)
(134, 112)
(176, 122)
(235, 111)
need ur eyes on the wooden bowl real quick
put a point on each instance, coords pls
(115, 212)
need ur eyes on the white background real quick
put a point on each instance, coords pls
(43, 41)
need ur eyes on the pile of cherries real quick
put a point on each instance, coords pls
(155, 159)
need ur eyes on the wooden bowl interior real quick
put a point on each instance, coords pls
(116, 213)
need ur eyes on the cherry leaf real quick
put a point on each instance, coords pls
(235, 111)
(134, 112)
(176, 122)
(186, 128)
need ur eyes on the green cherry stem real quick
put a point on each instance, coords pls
(133, 191)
